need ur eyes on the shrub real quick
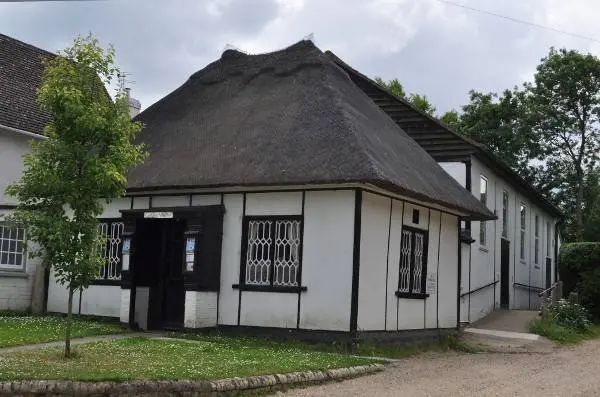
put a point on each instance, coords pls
(579, 266)
(569, 314)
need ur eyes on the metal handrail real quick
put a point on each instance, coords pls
(549, 289)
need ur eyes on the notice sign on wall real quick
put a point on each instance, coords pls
(431, 284)
(159, 215)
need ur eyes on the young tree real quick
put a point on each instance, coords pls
(83, 161)
(563, 106)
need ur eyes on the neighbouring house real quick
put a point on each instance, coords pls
(21, 120)
(505, 262)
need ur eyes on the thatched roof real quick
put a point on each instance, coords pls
(290, 117)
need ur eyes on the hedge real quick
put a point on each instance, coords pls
(579, 267)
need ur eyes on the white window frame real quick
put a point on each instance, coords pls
(271, 261)
(8, 249)
(536, 245)
(483, 196)
(548, 239)
(523, 235)
(111, 251)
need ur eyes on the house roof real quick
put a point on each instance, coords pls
(289, 117)
(21, 71)
(439, 140)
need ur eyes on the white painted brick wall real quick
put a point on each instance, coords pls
(124, 312)
(200, 309)
(16, 289)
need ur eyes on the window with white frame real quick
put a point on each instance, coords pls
(413, 262)
(548, 239)
(12, 247)
(523, 227)
(112, 229)
(483, 191)
(272, 250)
(536, 247)
(504, 214)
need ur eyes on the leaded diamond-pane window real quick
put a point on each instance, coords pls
(413, 261)
(111, 251)
(12, 247)
(272, 251)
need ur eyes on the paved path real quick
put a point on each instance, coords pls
(563, 373)
(74, 342)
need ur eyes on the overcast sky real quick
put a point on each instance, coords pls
(431, 47)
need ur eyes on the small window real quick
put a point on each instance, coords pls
(523, 227)
(505, 214)
(272, 251)
(413, 262)
(537, 240)
(111, 250)
(483, 190)
(12, 247)
(415, 217)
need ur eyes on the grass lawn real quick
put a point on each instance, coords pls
(143, 358)
(563, 335)
(16, 330)
(367, 349)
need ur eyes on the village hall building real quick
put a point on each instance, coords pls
(285, 191)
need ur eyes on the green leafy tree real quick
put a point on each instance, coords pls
(451, 119)
(83, 161)
(419, 101)
(563, 109)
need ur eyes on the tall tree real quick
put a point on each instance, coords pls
(84, 160)
(563, 109)
(419, 101)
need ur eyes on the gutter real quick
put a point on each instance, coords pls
(23, 132)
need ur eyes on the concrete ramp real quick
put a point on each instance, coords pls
(507, 331)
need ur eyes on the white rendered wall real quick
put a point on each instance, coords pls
(12, 148)
(100, 300)
(448, 272)
(327, 260)
(484, 266)
(230, 258)
(269, 309)
(379, 308)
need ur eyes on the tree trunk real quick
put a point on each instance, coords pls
(579, 207)
(69, 323)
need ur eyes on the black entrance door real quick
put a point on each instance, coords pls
(548, 272)
(160, 263)
(172, 272)
(504, 271)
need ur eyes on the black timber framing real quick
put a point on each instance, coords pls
(356, 263)
(416, 123)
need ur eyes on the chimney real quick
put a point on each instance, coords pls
(134, 104)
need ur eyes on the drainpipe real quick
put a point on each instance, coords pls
(459, 276)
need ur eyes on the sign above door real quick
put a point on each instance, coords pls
(159, 215)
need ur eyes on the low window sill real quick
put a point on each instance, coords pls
(410, 295)
(268, 288)
(13, 273)
(106, 282)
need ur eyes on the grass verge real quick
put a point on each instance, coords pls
(563, 335)
(18, 329)
(143, 358)
(367, 349)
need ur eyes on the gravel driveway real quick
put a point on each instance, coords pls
(564, 372)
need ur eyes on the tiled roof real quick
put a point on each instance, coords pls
(21, 71)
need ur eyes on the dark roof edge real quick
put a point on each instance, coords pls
(409, 195)
(23, 132)
(492, 160)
